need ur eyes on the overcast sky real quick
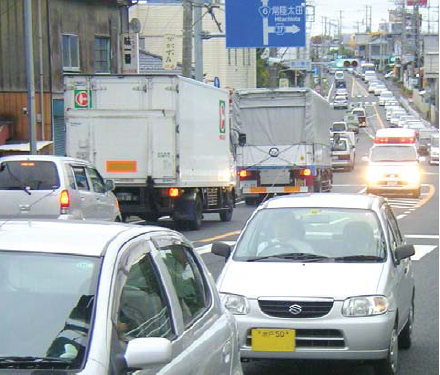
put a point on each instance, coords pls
(354, 10)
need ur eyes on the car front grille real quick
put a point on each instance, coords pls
(313, 338)
(296, 308)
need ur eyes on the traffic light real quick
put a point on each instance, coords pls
(347, 63)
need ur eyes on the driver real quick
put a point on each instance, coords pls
(288, 237)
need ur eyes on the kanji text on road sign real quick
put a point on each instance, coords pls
(265, 23)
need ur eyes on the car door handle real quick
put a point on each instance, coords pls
(227, 348)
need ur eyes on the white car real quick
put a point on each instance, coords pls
(340, 102)
(379, 89)
(343, 153)
(391, 110)
(372, 85)
(321, 277)
(384, 96)
(105, 298)
(404, 119)
(391, 103)
(434, 149)
(395, 117)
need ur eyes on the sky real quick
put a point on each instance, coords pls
(354, 10)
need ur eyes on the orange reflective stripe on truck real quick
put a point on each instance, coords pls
(125, 166)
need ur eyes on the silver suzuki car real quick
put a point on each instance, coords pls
(321, 276)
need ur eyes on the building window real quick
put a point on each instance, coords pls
(244, 56)
(102, 55)
(229, 56)
(70, 52)
(235, 57)
(249, 57)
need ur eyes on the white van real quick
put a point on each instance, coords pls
(339, 75)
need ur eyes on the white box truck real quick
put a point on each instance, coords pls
(284, 144)
(163, 139)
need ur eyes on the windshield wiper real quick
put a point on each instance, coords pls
(22, 185)
(295, 256)
(356, 258)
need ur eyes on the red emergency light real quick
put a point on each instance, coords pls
(394, 140)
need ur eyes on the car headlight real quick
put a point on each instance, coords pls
(373, 175)
(236, 304)
(365, 306)
(411, 175)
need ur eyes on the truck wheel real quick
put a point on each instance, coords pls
(196, 223)
(226, 215)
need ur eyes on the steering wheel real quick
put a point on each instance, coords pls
(285, 246)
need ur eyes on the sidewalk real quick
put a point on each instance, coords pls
(406, 101)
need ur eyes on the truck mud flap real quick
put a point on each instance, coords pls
(184, 207)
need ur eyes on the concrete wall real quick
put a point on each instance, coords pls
(419, 102)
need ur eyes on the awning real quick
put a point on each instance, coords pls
(24, 147)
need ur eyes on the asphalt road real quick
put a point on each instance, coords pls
(419, 222)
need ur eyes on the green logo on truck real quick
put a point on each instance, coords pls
(222, 116)
(83, 98)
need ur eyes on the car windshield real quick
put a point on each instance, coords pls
(312, 234)
(358, 112)
(340, 145)
(34, 175)
(47, 307)
(386, 94)
(339, 127)
(393, 153)
(415, 125)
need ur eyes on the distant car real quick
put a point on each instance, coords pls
(339, 75)
(55, 187)
(425, 137)
(415, 125)
(341, 92)
(372, 85)
(340, 84)
(390, 110)
(340, 102)
(103, 298)
(434, 149)
(395, 116)
(384, 96)
(390, 74)
(356, 105)
(404, 119)
(352, 122)
(328, 276)
(343, 153)
(361, 115)
(343, 130)
(391, 103)
(378, 89)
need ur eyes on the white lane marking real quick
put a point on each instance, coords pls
(136, 221)
(433, 173)
(430, 236)
(241, 202)
(400, 217)
(397, 206)
(347, 185)
(407, 212)
(412, 209)
(422, 250)
(362, 191)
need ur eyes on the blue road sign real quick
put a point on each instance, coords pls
(216, 82)
(265, 23)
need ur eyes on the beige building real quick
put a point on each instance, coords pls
(235, 68)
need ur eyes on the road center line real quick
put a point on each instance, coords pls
(378, 116)
(400, 217)
(427, 197)
(429, 236)
(229, 234)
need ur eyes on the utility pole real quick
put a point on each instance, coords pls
(40, 63)
(340, 32)
(198, 42)
(29, 53)
(187, 38)
(273, 69)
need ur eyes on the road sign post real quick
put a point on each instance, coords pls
(265, 23)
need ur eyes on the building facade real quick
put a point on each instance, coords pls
(234, 68)
(78, 36)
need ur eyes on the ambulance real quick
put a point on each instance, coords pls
(394, 164)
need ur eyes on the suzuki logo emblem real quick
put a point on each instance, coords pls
(295, 309)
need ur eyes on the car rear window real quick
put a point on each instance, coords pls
(32, 174)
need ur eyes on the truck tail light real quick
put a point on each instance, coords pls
(306, 172)
(243, 173)
(173, 192)
(64, 200)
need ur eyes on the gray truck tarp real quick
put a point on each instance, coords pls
(279, 116)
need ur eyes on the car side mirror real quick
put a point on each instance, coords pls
(147, 351)
(109, 185)
(241, 139)
(221, 249)
(404, 251)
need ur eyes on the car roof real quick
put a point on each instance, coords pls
(43, 158)
(324, 200)
(395, 132)
(77, 237)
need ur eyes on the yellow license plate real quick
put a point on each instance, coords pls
(273, 340)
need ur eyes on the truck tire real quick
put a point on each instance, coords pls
(226, 215)
(196, 223)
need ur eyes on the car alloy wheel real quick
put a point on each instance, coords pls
(388, 366)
